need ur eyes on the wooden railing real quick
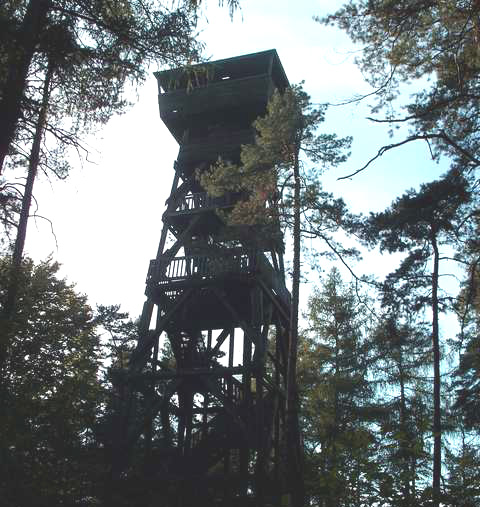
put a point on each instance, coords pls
(219, 95)
(232, 388)
(209, 267)
(203, 266)
(201, 200)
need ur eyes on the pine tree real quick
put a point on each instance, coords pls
(402, 352)
(463, 464)
(95, 49)
(337, 398)
(52, 396)
(468, 344)
(433, 44)
(272, 172)
(67, 65)
(71, 60)
(420, 223)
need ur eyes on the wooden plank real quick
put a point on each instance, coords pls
(218, 96)
(200, 372)
(231, 346)
(179, 192)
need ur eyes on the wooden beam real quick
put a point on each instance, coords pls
(163, 237)
(249, 331)
(230, 408)
(169, 254)
(220, 339)
(273, 298)
(148, 340)
(201, 372)
(134, 435)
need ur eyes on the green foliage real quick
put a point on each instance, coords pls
(467, 308)
(435, 43)
(411, 218)
(420, 224)
(437, 213)
(467, 379)
(57, 400)
(264, 175)
(273, 183)
(434, 46)
(402, 350)
(337, 397)
(51, 393)
(89, 53)
(464, 473)
(278, 188)
(95, 51)
(9, 208)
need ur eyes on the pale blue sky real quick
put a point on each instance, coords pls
(107, 217)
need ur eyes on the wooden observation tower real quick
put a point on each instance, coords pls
(206, 426)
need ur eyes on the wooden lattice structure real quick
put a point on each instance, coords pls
(206, 427)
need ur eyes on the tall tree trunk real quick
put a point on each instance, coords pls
(9, 307)
(293, 430)
(18, 64)
(437, 424)
(334, 496)
(405, 445)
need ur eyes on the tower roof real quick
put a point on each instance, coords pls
(253, 64)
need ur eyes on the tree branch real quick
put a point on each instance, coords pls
(35, 215)
(418, 137)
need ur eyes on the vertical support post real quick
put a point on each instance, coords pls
(209, 340)
(258, 318)
(247, 381)
(149, 413)
(282, 266)
(228, 452)
(231, 347)
(163, 236)
(276, 431)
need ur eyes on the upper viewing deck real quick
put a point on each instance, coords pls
(205, 93)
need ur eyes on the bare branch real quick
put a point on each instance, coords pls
(359, 98)
(35, 216)
(418, 137)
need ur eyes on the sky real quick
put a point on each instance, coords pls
(106, 216)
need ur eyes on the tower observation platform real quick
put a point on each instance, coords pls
(204, 424)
